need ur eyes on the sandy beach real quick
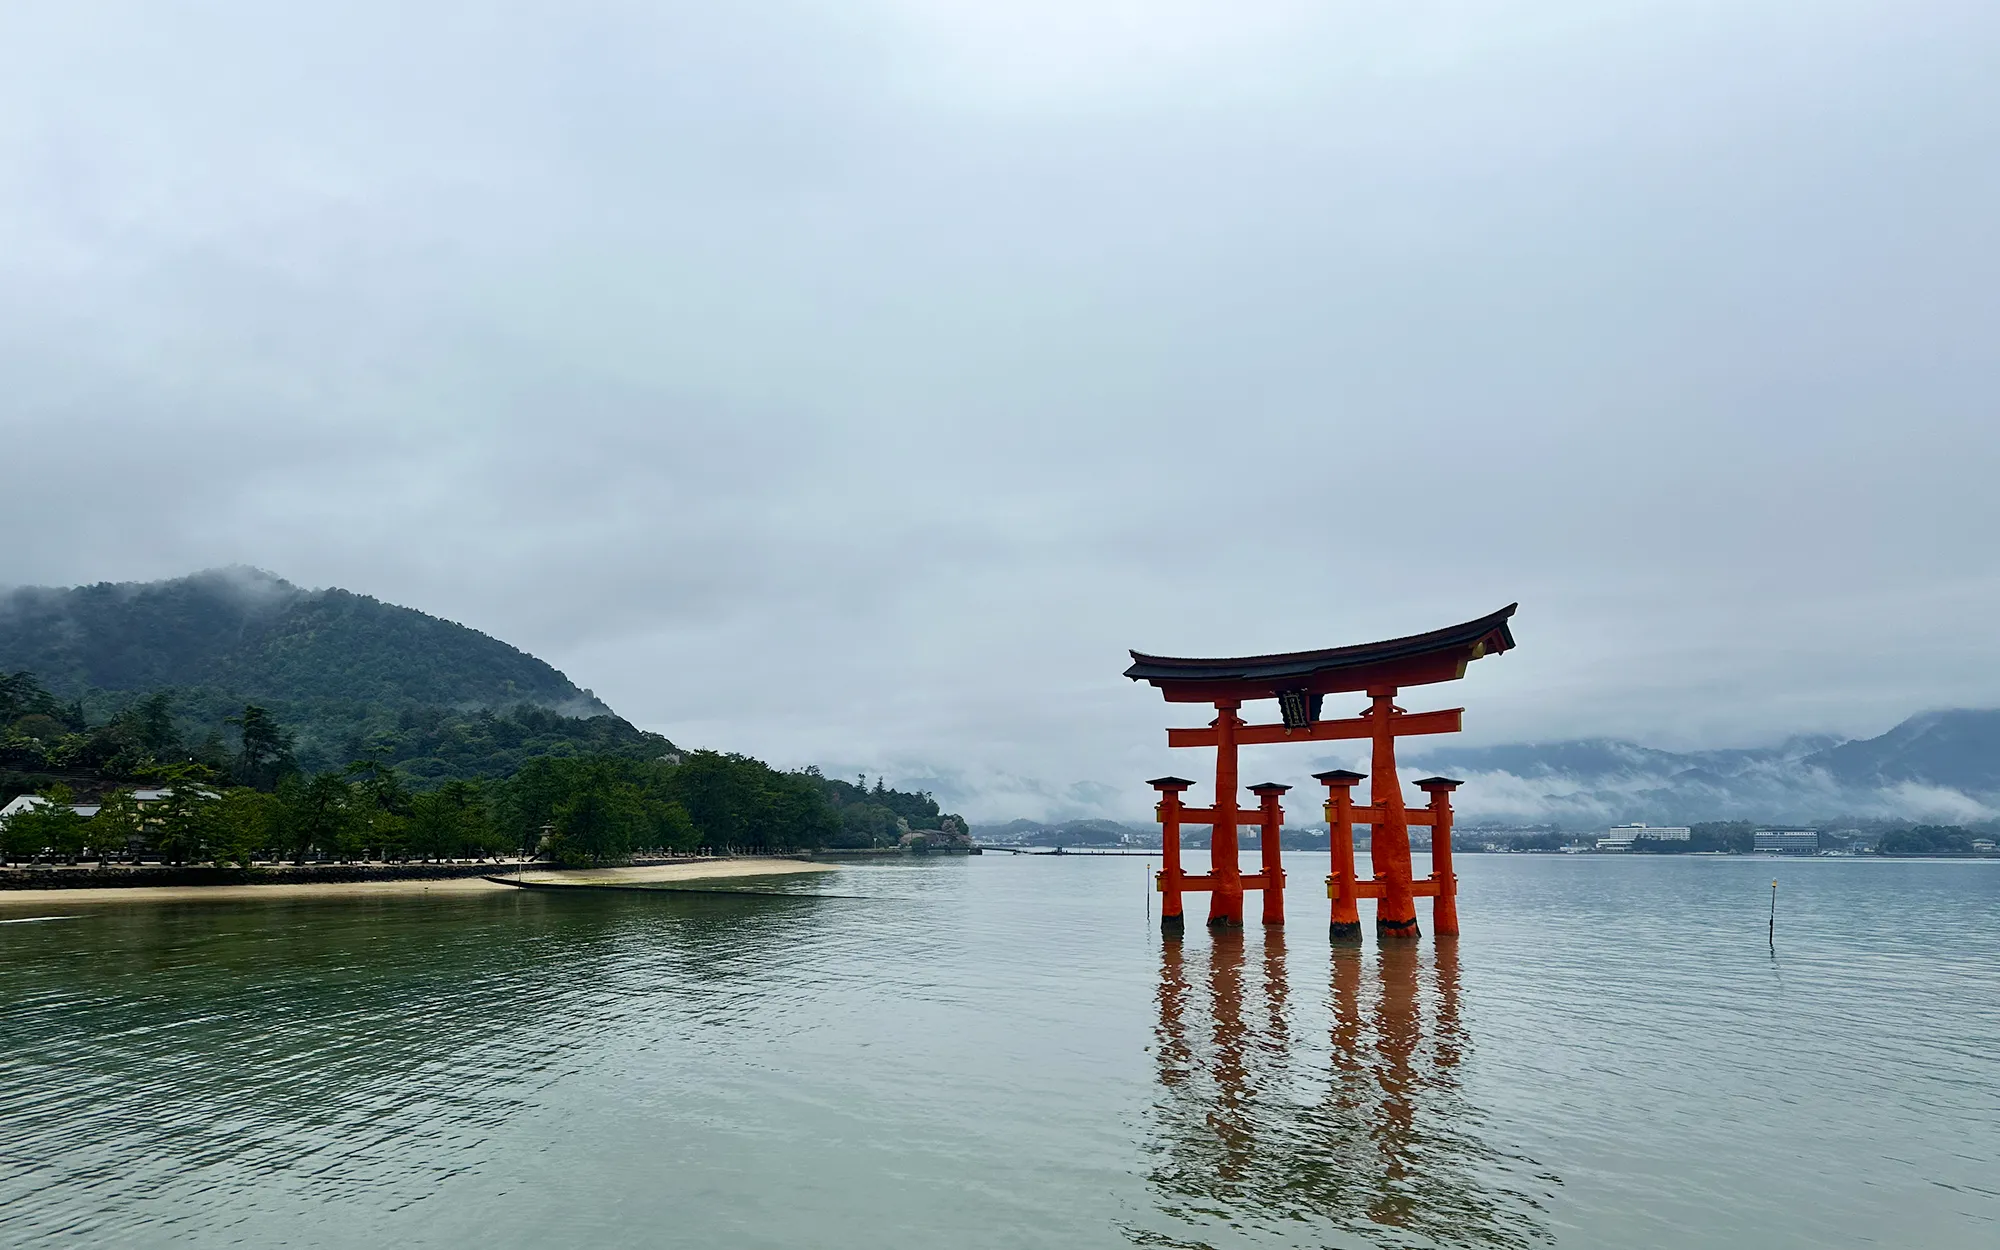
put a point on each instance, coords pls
(13, 902)
(653, 874)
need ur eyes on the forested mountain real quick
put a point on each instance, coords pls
(346, 674)
(259, 636)
(273, 698)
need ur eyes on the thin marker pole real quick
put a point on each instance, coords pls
(1774, 915)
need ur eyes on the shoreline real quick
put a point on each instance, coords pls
(476, 883)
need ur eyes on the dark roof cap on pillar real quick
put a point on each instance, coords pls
(1338, 777)
(1170, 783)
(1268, 787)
(1439, 783)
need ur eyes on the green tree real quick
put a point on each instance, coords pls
(42, 727)
(1926, 840)
(187, 818)
(21, 836)
(245, 825)
(796, 814)
(117, 825)
(879, 816)
(50, 825)
(383, 807)
(716, 793)
(21, 750)
(669, 827)
(432, 829)
(738, 802)
(67, 832)
(266, 755)
(528, 802)
(151, 720)
(134, 742)
(451, 821)
(599, 822)
(316, 814)
(865, 825)
(22, 695)
(1722, 835)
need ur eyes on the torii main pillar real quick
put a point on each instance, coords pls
(1300, 681)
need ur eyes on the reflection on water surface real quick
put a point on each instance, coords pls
(1001, 1055)
(1362, 1127)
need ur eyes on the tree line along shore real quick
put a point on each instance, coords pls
(130, 790)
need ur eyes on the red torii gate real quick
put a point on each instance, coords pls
(1299, 681)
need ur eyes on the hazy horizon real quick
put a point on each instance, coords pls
(1595, 780)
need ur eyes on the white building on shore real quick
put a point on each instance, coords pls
(1621, 837)
(1786, 841)
(29, 802)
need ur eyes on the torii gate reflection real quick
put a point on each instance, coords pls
(1257, 1124)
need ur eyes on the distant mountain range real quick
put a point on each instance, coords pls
(1942, 765)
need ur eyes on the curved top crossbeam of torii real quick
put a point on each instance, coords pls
(1418, 660)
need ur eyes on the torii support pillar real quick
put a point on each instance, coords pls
(1225, 871)
(1444, 912)
(1389, 826)
(1340, 884)
(1273, 822)
(1171, 878)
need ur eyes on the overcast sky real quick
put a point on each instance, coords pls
(853, 382)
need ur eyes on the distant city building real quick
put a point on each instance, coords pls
(1786, 841)
(1621, 837)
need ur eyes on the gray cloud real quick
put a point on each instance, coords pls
(854, 382)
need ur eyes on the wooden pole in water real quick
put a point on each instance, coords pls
(1774, 914)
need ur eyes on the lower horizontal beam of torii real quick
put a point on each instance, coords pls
(1200, 882)
(1359, 813)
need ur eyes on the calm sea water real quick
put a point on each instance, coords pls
(1002, 1052)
